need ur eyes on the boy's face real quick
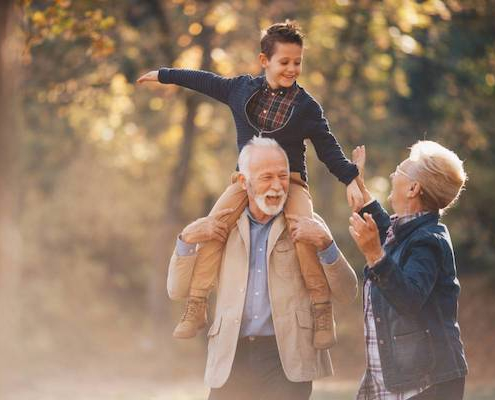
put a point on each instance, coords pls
(285, 65)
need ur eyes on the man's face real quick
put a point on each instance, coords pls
(284, 66)
(268, 182)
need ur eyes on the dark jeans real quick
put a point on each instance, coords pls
(257, 374)
(450, 390)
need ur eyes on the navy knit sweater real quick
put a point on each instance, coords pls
(306, 120)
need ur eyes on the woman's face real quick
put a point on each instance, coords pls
(401, 186)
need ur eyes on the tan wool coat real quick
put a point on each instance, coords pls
(289, 299)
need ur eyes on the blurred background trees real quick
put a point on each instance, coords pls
(110, 171)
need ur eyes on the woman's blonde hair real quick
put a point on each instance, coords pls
(440, 173)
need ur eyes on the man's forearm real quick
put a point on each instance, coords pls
(180, 271)
(342, 280)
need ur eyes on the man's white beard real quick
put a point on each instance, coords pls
(260, 200)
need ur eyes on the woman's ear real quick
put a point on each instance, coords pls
(414, 190)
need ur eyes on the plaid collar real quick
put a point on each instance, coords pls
(396, 221)
(279, 91)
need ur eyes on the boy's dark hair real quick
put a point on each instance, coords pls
(282, 32)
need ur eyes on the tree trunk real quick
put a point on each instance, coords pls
(9, 190)
(173, 219)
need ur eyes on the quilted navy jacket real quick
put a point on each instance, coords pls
(414, 295)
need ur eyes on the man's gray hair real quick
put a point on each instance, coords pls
(256, 142)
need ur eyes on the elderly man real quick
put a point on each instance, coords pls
(260, 342)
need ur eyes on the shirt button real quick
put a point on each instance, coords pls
(378, 319)
(273, 94)
(265, 111)
(381, 342)
(261, 249)
(259, 270)
(256, 293)
(241, 290)
(281, 92)
(236, 321)
(255, 317)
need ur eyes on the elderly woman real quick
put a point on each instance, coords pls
(413, 345)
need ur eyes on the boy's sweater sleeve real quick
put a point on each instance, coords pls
(327, 148)
(204, 82)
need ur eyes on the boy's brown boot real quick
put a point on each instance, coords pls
(324, 325)
(193, 319)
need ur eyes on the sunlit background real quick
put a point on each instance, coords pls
(98, 175)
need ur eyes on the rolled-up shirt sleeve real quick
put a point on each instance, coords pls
(329, 255)
(185, 249)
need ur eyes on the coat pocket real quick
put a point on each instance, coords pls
(413, 352)
(304, 344)
(286, 261)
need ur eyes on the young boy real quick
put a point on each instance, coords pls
(274, 106)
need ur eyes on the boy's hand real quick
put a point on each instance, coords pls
(355, 196)
(359, 158)
(311, 231)
(207, 228)
(151, 76)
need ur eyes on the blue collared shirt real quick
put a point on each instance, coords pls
(257, 315)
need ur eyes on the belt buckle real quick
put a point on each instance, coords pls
(251, 338)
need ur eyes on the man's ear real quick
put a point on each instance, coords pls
(242, 181)
(263, 59)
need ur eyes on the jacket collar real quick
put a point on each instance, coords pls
(278, 227)
(276, 230)
(401, 231)
(243, 226)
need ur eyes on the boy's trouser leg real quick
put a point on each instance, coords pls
(207, 264)
(210, 253)
(299, 203)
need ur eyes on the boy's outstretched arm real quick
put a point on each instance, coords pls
(204, 82)
(330, 153)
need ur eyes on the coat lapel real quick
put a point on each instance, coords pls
(243, 226)
(275, 232)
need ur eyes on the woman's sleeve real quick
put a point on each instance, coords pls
(408, 286)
